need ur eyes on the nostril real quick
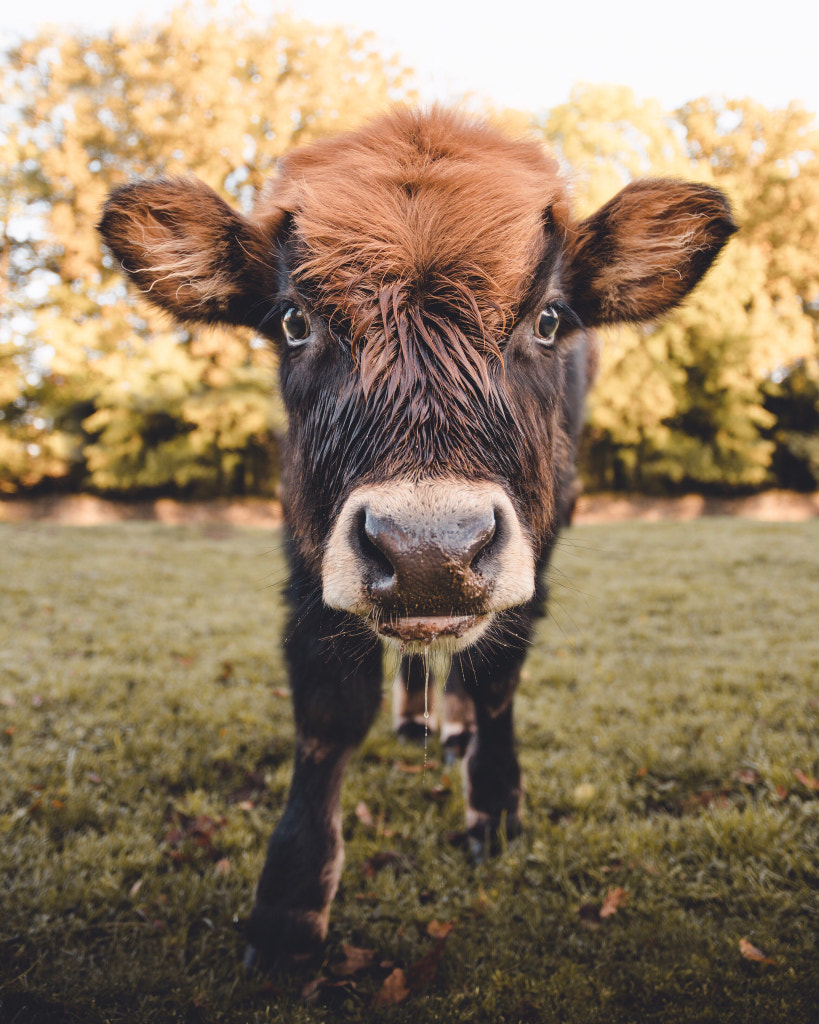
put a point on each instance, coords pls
(484, 539)
(369, 532)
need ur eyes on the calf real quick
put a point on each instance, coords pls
(430, 297)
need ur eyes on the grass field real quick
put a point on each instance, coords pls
(669, 732)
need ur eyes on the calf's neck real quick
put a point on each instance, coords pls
(431, 299)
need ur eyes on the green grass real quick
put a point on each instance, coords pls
(145, 755)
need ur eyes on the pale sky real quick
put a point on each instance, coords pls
(528, 55)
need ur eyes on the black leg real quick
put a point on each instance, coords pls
(489, 674)
(335, 670)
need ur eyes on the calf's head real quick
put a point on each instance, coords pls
(429, 295)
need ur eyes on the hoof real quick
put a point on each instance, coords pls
(278, 938)
(488, 837)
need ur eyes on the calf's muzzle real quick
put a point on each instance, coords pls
(429, 559)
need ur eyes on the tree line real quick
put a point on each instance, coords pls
(99, 392)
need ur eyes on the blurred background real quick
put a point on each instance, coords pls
(100, 394)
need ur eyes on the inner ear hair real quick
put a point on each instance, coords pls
(639, 255)
(188, 251)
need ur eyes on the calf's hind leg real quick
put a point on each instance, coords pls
(335, 673)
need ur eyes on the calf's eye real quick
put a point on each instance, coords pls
(296, 326)
(546, 326)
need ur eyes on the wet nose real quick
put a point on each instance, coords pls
(420, 567)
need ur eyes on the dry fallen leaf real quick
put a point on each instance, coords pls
(807, 780)
(439, 929)
(312, 987)
(423, 971)
(613, 901)
(750, 952)
(223, 866)
(393, 991)
(355, 959)
(364, 814)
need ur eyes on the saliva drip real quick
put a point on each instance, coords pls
(426, 704)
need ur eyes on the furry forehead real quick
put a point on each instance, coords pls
(422, 200)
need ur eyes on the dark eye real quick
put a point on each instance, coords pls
(546, 327)
(296, 326)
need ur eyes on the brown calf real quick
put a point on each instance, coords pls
(429, 295)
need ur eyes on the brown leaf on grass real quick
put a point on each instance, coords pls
(749, 777)
(613, 901)
(312, 987)
(223, 866)
(277, 691)
(750, 952)
(355, 959)
(807, 780)
(187, 831)
(364, 814)
(423, 971)
(439, 929)
(393, 991)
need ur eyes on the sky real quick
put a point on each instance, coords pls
(528, 54)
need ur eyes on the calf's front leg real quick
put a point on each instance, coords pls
(335, 677)
(489, 675)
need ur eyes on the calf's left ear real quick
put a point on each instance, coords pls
(188, 251)
(643, 252)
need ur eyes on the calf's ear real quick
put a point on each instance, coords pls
(643, 252)
(188, 251)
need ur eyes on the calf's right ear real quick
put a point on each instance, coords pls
(189, 252)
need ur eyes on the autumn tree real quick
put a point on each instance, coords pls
(684, 404)
(137, 403)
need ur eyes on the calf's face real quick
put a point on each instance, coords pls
(430, 297)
